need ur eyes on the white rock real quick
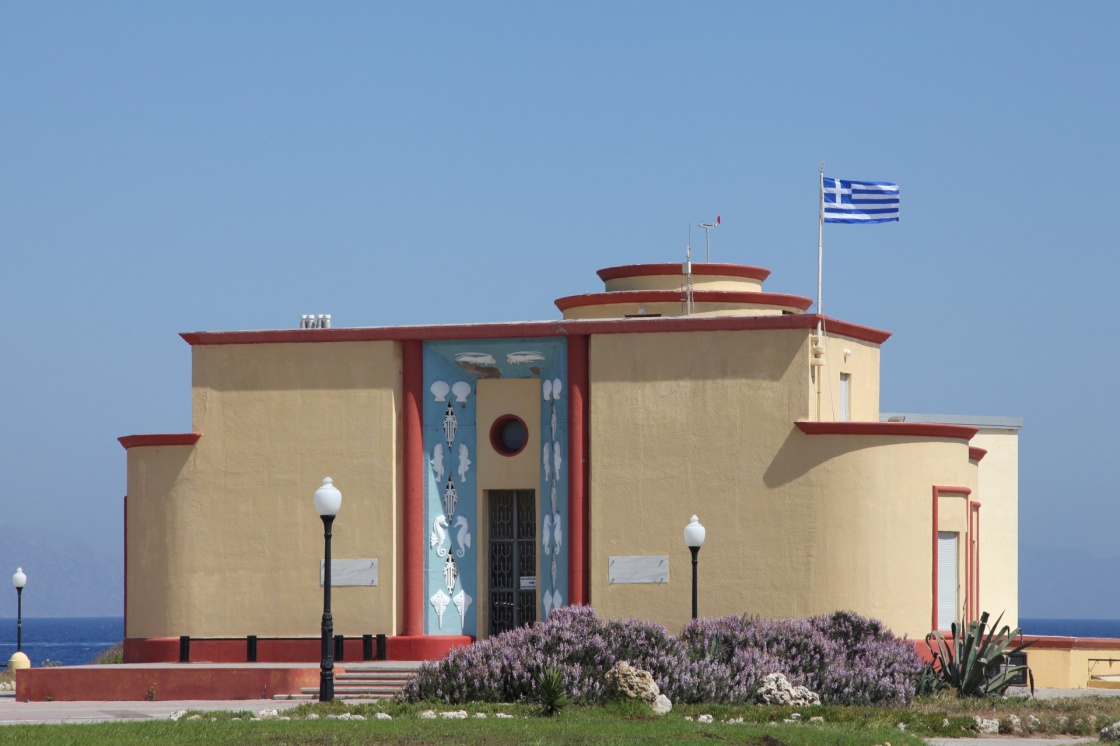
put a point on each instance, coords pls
(454, 715)
(795, 716)
(734, 721)
(776, 690)
(479, 715)
(177, 714)
(503, 716)
(688, 718)
(313, 716)
(428, 715)
(1111, 733)
(1013, 725)
(817, 719)
(383, 716)
(268, 713)
(662, 705)
(196, 716)
(704, 719)
(984, 725)
(356, 716)
(901, 727)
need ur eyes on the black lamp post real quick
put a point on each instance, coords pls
(694, 538)
(327, 502)
(18, 659)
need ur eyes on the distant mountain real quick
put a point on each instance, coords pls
(66, 575)
(1067, 584)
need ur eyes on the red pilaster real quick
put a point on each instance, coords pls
(412, 596)
(578, 588)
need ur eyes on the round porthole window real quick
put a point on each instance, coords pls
(508, 435)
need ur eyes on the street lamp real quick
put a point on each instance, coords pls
(694, 538)
(19, 659)
(327, 502)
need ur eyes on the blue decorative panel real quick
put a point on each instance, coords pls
(451, 372)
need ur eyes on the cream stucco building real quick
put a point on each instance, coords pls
(491, 473)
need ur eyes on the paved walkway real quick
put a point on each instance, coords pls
(29, 713)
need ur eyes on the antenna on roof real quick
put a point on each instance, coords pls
(686, 270)
(708, 228)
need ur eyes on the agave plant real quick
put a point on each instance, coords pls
(974, 662)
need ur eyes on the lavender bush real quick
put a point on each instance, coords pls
(846, 658)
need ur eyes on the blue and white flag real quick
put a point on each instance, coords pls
(859, 201)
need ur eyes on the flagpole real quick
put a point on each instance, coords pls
(820, 245)
(818, 343)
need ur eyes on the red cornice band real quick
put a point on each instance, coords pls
(976, 454)
(918, 429)
(559, 328)
(169, 439)
(706, 268)
(745, 297)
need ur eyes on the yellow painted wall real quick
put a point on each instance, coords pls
(497, 397)
(236, 519)
(863, 366)
(797, 524)
(999, 523)
(676, 282)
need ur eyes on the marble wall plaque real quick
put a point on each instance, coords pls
(652, 569)
(350, 572)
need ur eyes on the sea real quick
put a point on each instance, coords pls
(72, 641)
(66, 641)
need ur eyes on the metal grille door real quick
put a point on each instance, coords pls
(513, 559)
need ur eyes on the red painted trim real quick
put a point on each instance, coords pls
(125, 566)
(707, 269)
(1047, 642)
(976, 454)
(578, 432)
(560, 328)
(412, 592)
(425, 647)
(496, 435)
(170, 439)
(915, 429)
(745, 297)
(937, 492)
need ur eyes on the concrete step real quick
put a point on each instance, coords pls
(366, 681)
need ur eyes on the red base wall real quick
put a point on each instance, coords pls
(128, 683)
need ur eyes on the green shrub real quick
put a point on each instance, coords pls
(973, 664)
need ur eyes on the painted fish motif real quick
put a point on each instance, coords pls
(464, 462)
(437, 462)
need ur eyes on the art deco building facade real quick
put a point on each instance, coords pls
(494, 472)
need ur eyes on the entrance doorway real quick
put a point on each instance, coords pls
(513, 559)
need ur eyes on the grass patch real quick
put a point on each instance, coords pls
(617, 723)
(113, 655)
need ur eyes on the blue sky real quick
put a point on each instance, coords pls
(170, 167)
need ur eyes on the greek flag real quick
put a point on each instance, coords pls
(859, 201)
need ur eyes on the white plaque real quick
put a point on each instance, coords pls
(350, 572)
(528, 582)
(639, 569)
